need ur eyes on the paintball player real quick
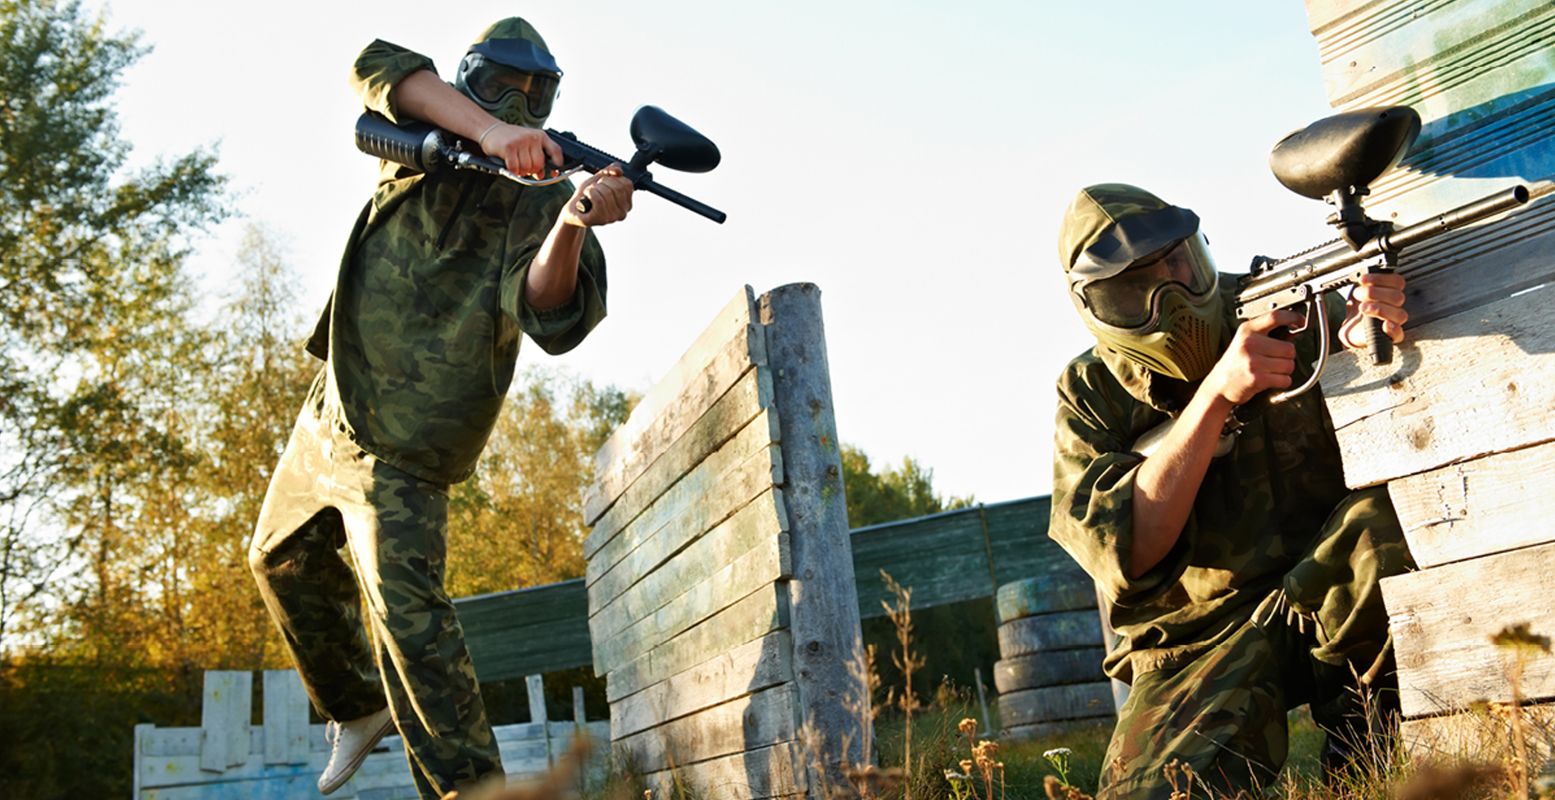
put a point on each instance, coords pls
(1241, 573)
(440, 277)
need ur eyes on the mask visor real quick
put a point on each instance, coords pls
(1131, 299)
(492, 84)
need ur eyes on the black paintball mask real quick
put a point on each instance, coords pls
(514, 79)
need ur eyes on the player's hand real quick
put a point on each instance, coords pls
(609, 196)
(523, 150)
(1378, 295)
(1255, 361)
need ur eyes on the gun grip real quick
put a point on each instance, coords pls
(1378, 342)
(583, 206)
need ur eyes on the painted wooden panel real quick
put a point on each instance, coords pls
(527, 631)
(224, 719)
(944, 558)
(1443, 619)
(724, 351)
(285, 718)
(1488, 505)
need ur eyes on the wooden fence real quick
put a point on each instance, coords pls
(227, 758)
(949, 557)
(720, 579)
(1460, 425)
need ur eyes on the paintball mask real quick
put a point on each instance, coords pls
(511, 74)
(1141, 276)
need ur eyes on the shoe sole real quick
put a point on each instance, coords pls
(356, 762)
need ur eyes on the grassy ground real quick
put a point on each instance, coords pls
(937, 745)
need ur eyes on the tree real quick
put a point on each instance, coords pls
(891, 494)
(92, 304)
(519, 521)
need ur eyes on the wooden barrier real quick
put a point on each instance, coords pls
(1459, 426)
(227, 757)
(545, 629)
(720, 577)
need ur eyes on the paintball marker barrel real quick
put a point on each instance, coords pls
(1336, 258)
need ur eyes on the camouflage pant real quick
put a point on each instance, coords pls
(327, 493)
(1224, 713)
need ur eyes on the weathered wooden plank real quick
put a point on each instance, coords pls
(765, 563)
(285, 718)
(760, 520)
(750, 667)
(1442, 620)
(716, 489)
(711, 478)
(1408, 52)
(822, 594)
(1476, 735)
(750, 722)
(727, 418)
(1468, 385)
(776, 771)
(719, 356)
(528, 631)
(1475, 508)
(762, 612)
(224, 719)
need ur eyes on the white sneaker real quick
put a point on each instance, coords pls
(350, 742)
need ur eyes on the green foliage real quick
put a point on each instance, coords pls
(93, 345)
(891, 494)
(519, 521)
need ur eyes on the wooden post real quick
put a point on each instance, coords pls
(224, 719)
(536, 686)
(142, 733)
(822, 595)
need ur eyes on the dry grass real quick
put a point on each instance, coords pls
(941, 750)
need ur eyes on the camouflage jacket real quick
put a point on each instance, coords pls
(422, 331)
(1256, 514)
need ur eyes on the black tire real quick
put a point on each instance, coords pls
(1049, 668)
(1059, 731)
(1044, 595)
(1060, 630)
(1056, 703)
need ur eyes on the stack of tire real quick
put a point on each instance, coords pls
(1049, 676)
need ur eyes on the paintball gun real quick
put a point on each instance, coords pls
(1336, 159)
(659, 138)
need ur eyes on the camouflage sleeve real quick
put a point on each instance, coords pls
(555, 330)
(378, 68)
(1093, 486)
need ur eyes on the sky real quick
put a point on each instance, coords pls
(912, 159)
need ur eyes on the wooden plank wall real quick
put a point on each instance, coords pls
(227, 757)
(1460, 426)
(545, 629)
(702, 572)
